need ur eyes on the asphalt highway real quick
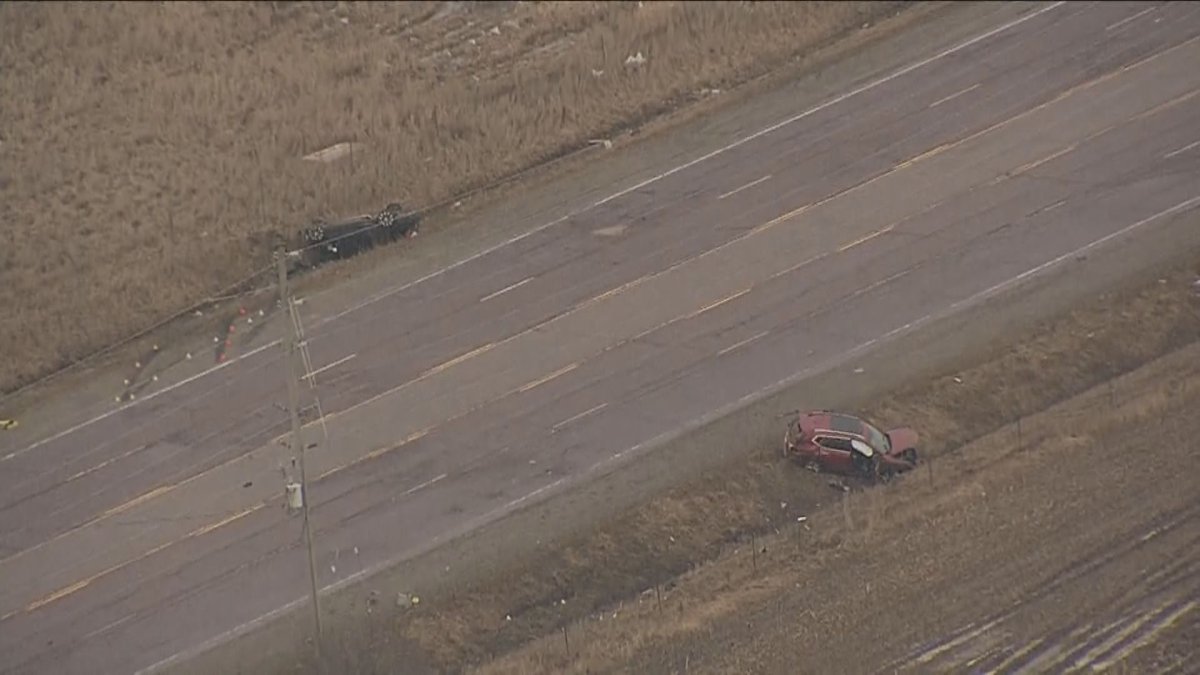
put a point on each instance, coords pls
(130, 539)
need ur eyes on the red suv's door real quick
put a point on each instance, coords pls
(835, 453)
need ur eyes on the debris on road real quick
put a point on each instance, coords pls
(6, 424)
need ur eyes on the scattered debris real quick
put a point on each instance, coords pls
(957, 380)
(6, 424)
(495, 30)
(858, 371)
(334, 152)
(635, 60)
(597, 73)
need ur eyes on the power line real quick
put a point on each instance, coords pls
(293, 345)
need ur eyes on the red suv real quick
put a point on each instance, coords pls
(842, 443)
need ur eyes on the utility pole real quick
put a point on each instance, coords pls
(292, 343)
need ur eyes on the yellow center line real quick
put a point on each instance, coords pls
(160, 490)
(457, 360)
(84, 583)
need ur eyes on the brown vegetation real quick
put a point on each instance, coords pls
(146, 147)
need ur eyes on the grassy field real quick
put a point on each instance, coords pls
(148, 149)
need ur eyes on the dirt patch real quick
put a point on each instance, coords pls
(1071, 539)
(149, 150)
(739, 510)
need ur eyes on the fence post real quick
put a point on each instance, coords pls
(846, 510)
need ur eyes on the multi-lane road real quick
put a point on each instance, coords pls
(134, 535)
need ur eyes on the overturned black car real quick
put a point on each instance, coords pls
(322, 243)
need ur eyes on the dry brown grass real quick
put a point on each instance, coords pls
(145, 146)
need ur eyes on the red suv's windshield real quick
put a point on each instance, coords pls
(877, 438)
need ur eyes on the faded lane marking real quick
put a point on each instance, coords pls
(380, 451)
(101, 465)
(84, 583)
(1030, 166)
(745, 187)
(687, 165)
(543, 380)
(506, 289)
(1129, 19)
(865, 238)
(611, 231)
(718, 303)
(144, 497)
(802, 263)
(1187, 96)
(1182, 150)
(1026, 168)
(125, 507)
(743, 343)
(326, 367)
(483, 349)
(953, 96)
(575, 418)
(417, 488)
